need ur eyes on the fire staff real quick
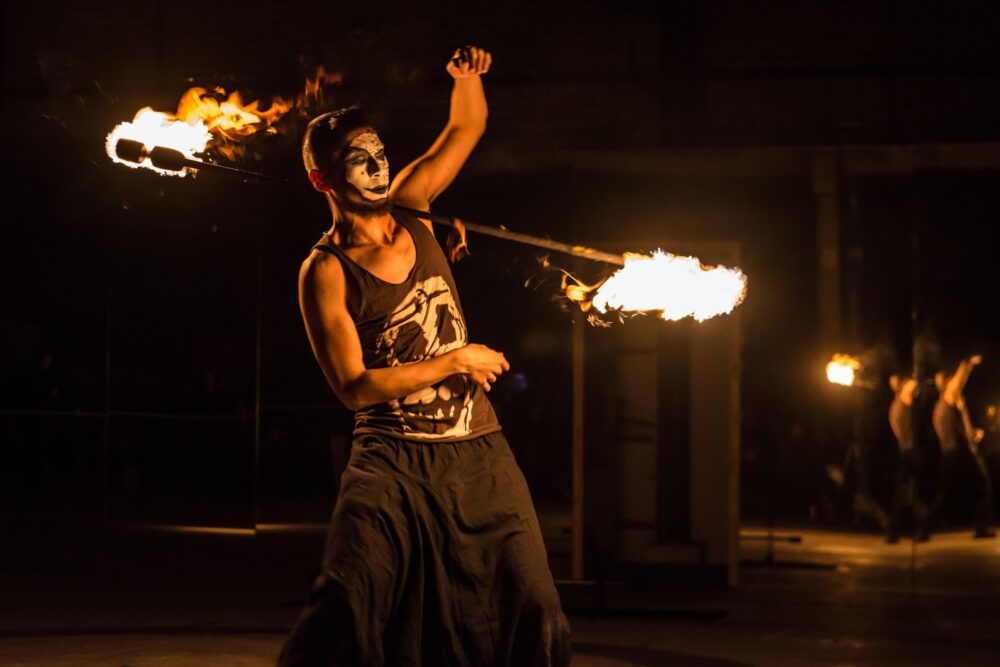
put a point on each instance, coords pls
(434, 554)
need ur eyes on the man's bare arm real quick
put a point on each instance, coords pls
(956, 385)
(420, 182)
(337, 348)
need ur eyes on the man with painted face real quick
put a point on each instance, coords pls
(434, 554)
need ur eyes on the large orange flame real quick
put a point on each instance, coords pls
(670, 286)
(212, 120)
(228, 119)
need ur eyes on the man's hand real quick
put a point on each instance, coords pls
(469, 61)
(421, 181)
(481, 363)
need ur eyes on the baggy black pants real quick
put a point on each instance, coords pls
(951, 471)
(434, 557)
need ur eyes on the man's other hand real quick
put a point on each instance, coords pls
(469, 61)
(481, 363)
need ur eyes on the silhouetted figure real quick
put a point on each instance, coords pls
(957, 437)
(904, 496)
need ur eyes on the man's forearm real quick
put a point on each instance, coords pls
(957, 383)
(385, 384)
(468, 104)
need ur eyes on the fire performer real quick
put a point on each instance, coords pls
(956, 435)
(434, 554)
(904, 495)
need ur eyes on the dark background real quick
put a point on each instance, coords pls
(133, 304)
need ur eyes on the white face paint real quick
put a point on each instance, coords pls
(366, 167)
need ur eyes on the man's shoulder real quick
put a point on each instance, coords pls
(321, 265)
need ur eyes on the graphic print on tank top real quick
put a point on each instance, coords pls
(426, 324)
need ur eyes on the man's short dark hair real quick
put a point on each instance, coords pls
(326, 134)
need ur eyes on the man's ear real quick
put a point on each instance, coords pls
(319, 181)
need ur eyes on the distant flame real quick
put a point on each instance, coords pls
(211, 120)
(843, 369)
(671, 286)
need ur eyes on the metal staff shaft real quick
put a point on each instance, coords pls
(169, 159)
(518, 237)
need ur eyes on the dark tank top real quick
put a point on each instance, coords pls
(418, 319)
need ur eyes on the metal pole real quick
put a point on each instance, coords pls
(172, 160)
(518, 237)
(914, 210)
(106, 445)
(257, 375)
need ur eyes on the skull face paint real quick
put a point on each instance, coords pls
(366, 168)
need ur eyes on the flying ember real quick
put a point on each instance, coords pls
(843, 369)
(671, 286)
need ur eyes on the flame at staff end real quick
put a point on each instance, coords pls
(670, 286)
(155, 128)
(211, 120)
(843, 369)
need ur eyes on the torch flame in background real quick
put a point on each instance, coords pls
(843, 369)
(211, 120)
(671, 286)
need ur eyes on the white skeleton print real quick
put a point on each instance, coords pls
(425, 324)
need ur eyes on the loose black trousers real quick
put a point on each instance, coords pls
(434, 557)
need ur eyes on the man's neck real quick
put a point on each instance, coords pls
(354, 229)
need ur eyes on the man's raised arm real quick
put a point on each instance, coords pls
(956, 385)
(425, 178)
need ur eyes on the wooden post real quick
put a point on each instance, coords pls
(579, 326)
(825, 188)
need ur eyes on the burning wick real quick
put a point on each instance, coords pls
(170, 161)
(670, 286)
(203, 120)
(843, 369)
(133, 144)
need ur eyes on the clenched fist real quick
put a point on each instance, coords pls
(469, 61)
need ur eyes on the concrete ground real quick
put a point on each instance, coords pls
(837, 599)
